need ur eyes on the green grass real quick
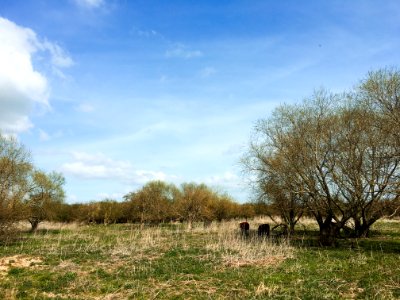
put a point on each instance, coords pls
(170, 262)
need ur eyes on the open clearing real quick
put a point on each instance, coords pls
(164, 262)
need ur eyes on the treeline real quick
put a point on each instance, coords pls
(27, 193)
(159, 202)
(335, 157)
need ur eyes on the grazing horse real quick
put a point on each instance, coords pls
(207, 223)
(244, 228)
(263, 230)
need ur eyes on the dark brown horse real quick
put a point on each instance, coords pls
(263, 230)
(244, 228)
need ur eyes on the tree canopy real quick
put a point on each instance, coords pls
(25, 192)
(335, 154)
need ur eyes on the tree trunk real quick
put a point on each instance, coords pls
(328, 232)
(34, 224)
(291, 228)
(361, 229)
(292, 221)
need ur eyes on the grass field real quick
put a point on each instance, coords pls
(171, 262)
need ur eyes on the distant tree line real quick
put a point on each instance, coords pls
(335, 157)
(160, 202)
(27, 193)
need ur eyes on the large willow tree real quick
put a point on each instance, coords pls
(337, 155)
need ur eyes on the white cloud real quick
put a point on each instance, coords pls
(235, 149)
(146, 33)
(226, 179)
(90, 3)
(21, 86)
(181, 51)
(229, 182)
(113, 196)
(43, 135)
(99, 166)
(59, 58)
(72, 198)
(85, 107)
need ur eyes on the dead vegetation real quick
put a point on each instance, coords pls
(237, 250)
(18, 261)
(214, 261)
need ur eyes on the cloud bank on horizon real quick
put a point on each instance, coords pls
(115, 93)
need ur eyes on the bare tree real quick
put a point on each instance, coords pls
(295, 153)
(378, 149)
(46, 192)
(15, 165)
(336, 154)
(274, 184)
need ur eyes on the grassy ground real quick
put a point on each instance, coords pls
(170, 262)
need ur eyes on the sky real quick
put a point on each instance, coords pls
(114, 93)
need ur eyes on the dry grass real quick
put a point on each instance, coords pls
(237, 250)
(46, 226)
(266, 291)
(394, 220)
(123, 261)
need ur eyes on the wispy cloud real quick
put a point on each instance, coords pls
(228, 182)
(99, 166)
(85, 107)
(45, 136)
(227, 178)
(207, 72)
(147, 33)
(113, 196)
(181, 51)
(90, 3)
(59, 57)
(71, 198)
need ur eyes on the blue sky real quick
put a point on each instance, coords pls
(116, 93)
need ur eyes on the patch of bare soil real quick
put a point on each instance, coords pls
(17, 261)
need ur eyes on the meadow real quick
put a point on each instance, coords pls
(124, 261)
